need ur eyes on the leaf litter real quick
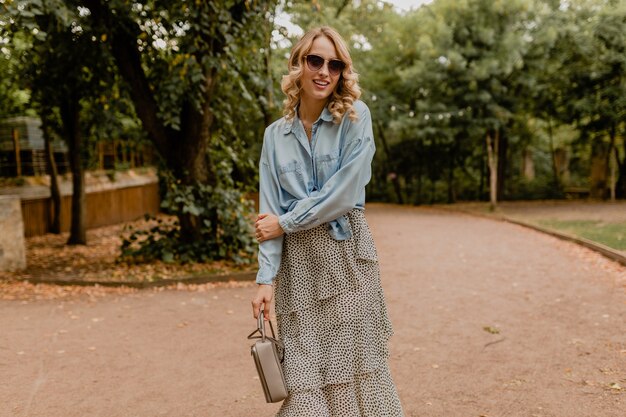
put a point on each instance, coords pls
(49, 259)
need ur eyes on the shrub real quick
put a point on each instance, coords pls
(223, 212)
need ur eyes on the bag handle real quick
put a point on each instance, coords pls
(261, 329)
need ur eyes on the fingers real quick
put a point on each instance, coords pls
(258, 232)
(266, 311)
(263, 296)
(256, 307)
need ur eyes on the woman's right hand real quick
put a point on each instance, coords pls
(267, 227)
(264, 296)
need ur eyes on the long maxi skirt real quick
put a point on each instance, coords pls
(332, 317)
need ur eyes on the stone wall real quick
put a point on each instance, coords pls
(12, 247)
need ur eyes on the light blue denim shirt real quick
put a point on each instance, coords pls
(308, 183)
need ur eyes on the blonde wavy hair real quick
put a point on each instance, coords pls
(347, 90)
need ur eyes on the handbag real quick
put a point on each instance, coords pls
(268, 362)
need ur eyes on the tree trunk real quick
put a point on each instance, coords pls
(599, 169)
(612, 163)
(555, 168)
(492, 159)
(55, 193)
(451, 166)
(481, 185)
(528, 165)
(620, 190)
(420, 173)
(433, 191)
(15, 134)
(192, 165)
(503, 147)
(70, 114)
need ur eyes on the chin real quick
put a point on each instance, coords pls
(318, 95)
(324, 96)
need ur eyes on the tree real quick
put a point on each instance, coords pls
(466, 87)
(63, 68)
(580, 79)
(172, 58)
(191, 74)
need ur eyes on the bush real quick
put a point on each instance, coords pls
(223, 213)
(541, 188)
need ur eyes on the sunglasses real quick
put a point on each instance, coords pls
(315, 62)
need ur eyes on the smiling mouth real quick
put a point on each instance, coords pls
(321, 83)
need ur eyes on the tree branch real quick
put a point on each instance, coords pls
(122, 32)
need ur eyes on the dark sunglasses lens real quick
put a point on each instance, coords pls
(335, 66)
(314, 62)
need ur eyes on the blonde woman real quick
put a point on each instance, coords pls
(316, 253)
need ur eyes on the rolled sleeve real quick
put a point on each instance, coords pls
(266, 272)
(287, 223)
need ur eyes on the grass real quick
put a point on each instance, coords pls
(610, 234)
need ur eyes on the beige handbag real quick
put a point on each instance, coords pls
(269, 362)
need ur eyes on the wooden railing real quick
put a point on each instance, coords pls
(103, 208)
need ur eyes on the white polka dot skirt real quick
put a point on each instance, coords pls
(332, 317)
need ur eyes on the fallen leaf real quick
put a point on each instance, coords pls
(492, 330)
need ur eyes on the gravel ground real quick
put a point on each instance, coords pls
(491, 319)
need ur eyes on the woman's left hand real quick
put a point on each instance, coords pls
(267, 227)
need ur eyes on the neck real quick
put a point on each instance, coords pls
(310, 110)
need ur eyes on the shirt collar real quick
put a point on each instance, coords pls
(325, 116)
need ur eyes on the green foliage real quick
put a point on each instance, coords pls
(224, 215)
(185, 76)
(546, 75)
(14, 97)
(65, 64)
(540, 188)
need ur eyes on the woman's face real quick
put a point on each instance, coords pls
(319, 84)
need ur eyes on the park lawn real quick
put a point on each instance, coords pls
(611, 234)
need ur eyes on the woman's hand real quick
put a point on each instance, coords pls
(264, 295)
(267, 227)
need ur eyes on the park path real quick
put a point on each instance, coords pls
(491, 319)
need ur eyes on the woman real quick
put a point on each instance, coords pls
(316, 251)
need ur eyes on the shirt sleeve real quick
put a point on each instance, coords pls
(270, 251)
(342, 191)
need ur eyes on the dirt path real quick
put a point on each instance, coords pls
(491, 320)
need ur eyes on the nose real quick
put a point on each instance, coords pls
(324, 69)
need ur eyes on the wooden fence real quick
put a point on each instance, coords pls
(103, 208)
